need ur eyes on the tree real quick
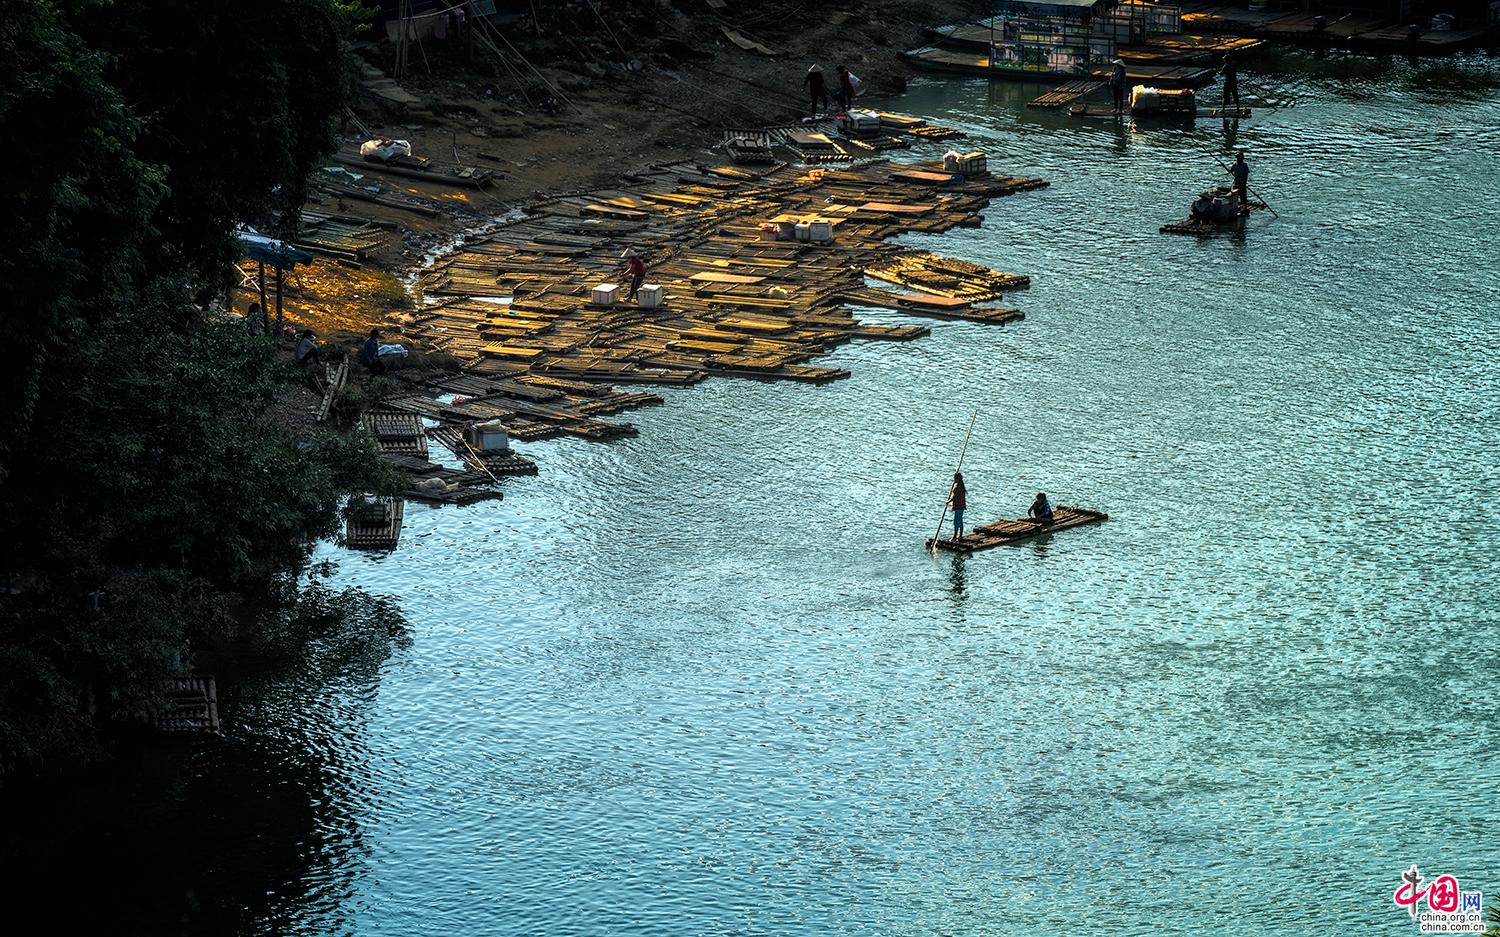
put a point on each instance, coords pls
(145, 492)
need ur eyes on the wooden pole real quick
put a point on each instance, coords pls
(1248, 190)
(963, 451)
(278, 301)
(260, 286)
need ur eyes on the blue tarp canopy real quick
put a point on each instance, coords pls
(269, 250)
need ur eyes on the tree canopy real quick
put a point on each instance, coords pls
(146, 485)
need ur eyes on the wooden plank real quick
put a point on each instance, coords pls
(889, 208)
(713, 276)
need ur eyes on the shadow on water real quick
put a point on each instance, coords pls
(247, 833)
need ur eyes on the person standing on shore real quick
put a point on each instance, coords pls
(846, 88)
(1241, 173)
(635, 269)
(1231, 81)
(958, 499)
(1117, 81)
(817, 88)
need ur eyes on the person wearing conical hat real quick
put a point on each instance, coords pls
(817, 88)
(1117, 82)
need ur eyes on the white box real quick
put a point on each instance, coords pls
(973, 164)
(804, 231)
(820, 231)
(489, 436)
(605, 294)
(950, 161)
(786, 230)
(649, 295)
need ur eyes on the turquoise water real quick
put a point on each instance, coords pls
(706, 681)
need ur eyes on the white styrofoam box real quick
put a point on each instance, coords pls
(950, 160)
(605, 294)
(973, 163)
(649, 295)
(489, 436)
(804, 231)
(820, 231)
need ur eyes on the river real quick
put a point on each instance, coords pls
(706, 681)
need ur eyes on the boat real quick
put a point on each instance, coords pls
(1215, 210)
(1000, 533)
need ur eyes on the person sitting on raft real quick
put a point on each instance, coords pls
(1041, 509)
(958, 499)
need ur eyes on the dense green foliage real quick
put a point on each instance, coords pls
(147, 485)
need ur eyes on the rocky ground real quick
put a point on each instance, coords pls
(573, 98)
(606, 86)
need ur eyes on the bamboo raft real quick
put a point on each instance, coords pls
(516, 306)
(1094, 109)
(344, 237)
(187, 704)
(1201, 227)
(371, 529)
(416, 167)
(749, 147)
(1014, 531)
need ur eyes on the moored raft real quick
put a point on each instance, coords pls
(1013, 531)
(374, 523)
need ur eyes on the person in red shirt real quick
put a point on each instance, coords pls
(846, 89)
(635, 269)
(958, 498)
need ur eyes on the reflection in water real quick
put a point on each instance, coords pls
(259, 831)
(1231, 133)
(957, 582)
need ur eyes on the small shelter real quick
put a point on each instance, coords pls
(279, 254)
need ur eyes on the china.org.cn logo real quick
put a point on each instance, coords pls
(1450, 909)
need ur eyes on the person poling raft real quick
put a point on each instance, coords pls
(1220, 206)
(1041, 518)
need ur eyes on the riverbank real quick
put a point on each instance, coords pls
(595, 107)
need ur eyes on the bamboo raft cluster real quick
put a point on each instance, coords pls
(826, 140)
(345, 237)
(1013, 531)
(517, 306)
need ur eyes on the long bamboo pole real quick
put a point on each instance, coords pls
(963, 451)
(1248, 189)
